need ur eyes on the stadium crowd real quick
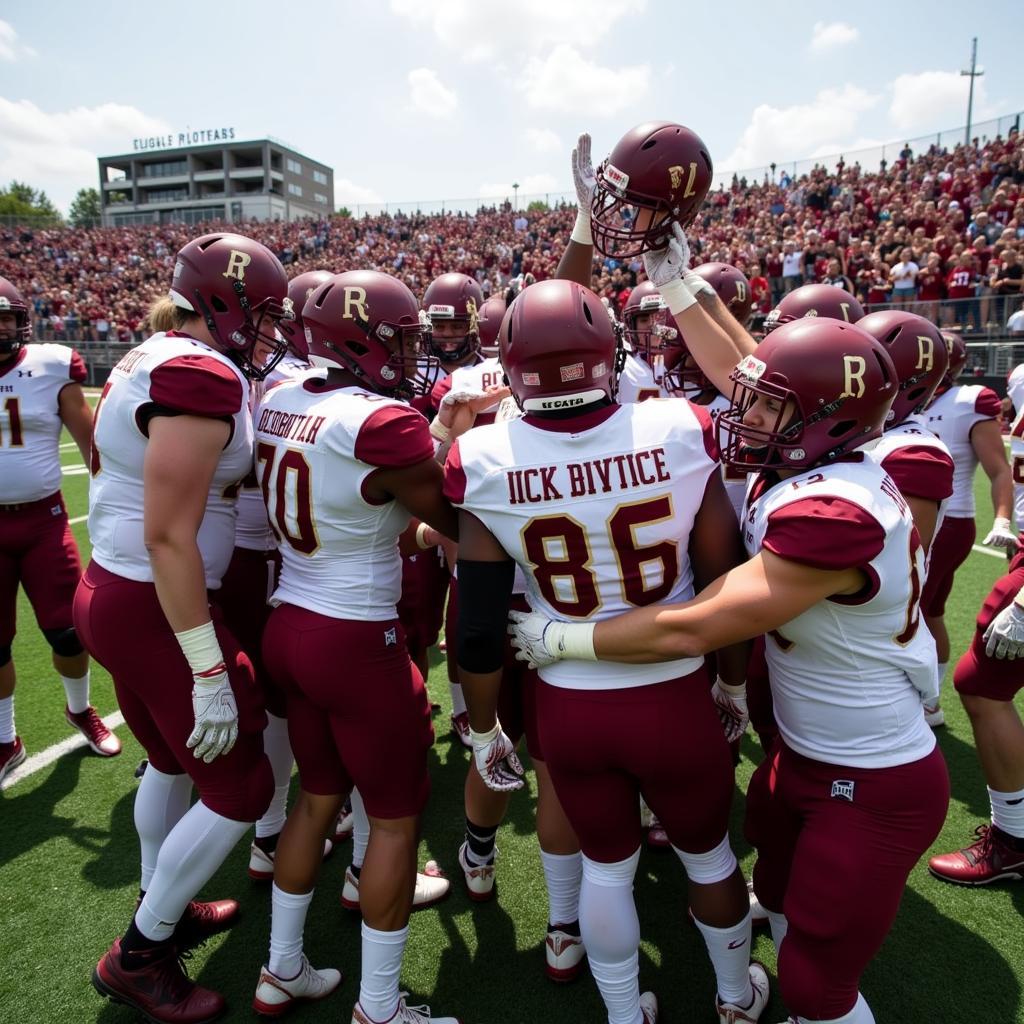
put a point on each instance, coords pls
(929, 227)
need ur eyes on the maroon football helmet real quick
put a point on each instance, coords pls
(453, 299)
(299, 290)
(918, 351)
(12, 301)
(834, 384)
(369, 323)
(732, 287)
(557, 347)
(491, 315)
(647, 338)
(240, 289)
(814, 300)
(657, 175)
(957, 351)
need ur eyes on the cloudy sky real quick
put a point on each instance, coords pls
(431, 99)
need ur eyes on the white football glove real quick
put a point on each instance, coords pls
(496, 760)
(1004, 637)
(670, 263)
(540, 641)
(216, 717)
(1001, 535)
(731, 705)
(585, 180)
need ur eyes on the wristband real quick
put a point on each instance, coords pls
(421, 533)
(439, 431)
(573, 639)
(732, 691)
(678, 296)
(581, 233)
(483, 739)
(202, 652)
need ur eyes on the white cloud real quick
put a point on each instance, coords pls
(57, 151)
(531, 185)
(543, 140)
(830, 36)
(785, 133)
(429, 96)
(481, 29)
(566, 82)
(10, 48)
(348, 193)
(933, 98)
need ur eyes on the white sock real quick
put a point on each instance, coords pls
(941, 674)
(287, 923)
(729, 950)
(279, 753)
(860, 1014)
(458, 700)
(77, 692)
(563, 873)
(360, 830)
(190, 856)
(779, 926)
(160, 802)
(382, 963)
(611, 933)
(7, 733)
(1008, 812)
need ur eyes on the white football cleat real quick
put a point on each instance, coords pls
(431, 887)
(479, 880)
(460, 726)
(275, 995)
(730, 1013)
(261, 863)
(649, 1007)
(563, 955)
(343, 827)
(403, 1015)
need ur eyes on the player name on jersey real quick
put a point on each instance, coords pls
(291, 426)
(596, 476)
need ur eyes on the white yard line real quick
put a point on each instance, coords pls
(74, 469)
(994, 552)
(46, 757)
(77, 519)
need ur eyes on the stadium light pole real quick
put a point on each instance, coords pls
(515, 197)
(972, 73)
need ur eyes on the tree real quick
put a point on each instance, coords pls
(344, 211)
(21, 200)
(85, 208)
(537, 206)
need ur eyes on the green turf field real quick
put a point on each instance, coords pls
(69, 876)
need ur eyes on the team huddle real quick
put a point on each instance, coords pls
(639, 538)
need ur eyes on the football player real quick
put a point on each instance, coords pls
(40, 393)
(645, 332)
(834, 580)
(342, 461)
(605, 507)
(172, 441)
(814, 300)
(966, 418)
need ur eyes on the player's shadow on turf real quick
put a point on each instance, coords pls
(34, 810)
(116, 862)
(966, 781)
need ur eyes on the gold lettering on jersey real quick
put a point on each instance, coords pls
(129, 361)
(853, 374)
(292, 426)
(237, 262)
(596, 476)
(925, 353)
(355, 298)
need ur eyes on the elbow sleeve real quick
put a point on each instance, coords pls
(485, 589)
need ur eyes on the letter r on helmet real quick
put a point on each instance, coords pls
(237, 262)
(853, 374)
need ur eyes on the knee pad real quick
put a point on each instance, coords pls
(708, 868)
(5, 654)
(64, 642)
(618, 874)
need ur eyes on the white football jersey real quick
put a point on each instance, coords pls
(735, 481)
(841, 672)
(252, 528)
(1015, 388)
(175, 372)
(638, 381)
(30, 423)
(597, 511)
(316, 444)
(952, 416)
(479, 377)
(1017, 465)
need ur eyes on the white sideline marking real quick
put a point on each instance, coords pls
(995, 553)
(77, 519)
(74, 469)
(46, 757)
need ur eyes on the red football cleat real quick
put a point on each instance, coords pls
(11, 755)
(203, 920)
(161, 991)
(100, 739)
(991, 859)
